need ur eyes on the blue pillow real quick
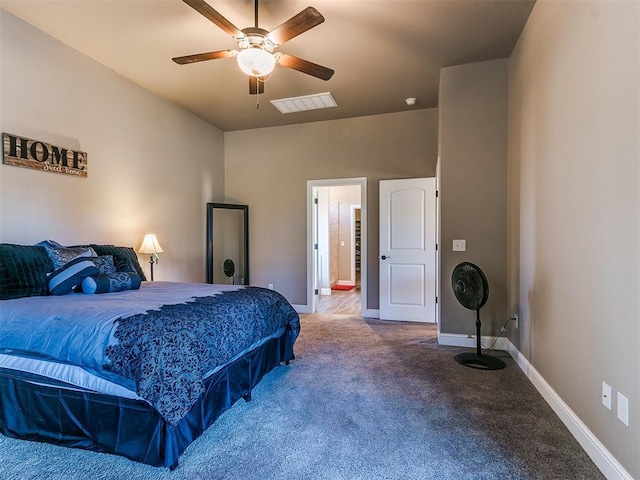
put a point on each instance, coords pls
(64, 279)
(49, 243)
(111, 282)
(60, 256)
(23, 271)
(125, 258)
(105, 264)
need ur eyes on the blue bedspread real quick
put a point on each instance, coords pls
(168, 352)
(160, 340)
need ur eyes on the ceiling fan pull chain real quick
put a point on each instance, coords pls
(258, 94)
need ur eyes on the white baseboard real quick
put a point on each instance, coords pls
(325, 291)
(460, 340)
(370, 313)
(345, 282)
(604, 460)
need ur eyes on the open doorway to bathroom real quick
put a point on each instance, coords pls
(338, 246)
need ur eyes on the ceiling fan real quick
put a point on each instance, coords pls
(255, 45)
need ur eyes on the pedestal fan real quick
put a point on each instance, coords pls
(471, 288)
(229, 269)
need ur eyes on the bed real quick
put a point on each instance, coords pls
(139, 372)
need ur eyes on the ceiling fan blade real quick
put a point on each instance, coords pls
(300, 23)
(208, 11)
(255, 86)
(304, 66)
(201, 57)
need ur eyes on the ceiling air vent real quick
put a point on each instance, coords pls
(304, 103)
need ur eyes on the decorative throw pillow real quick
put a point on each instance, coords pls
(23, 271)
(105, 264)
(64, 279)
(111, 282)
(124, 258)
(60, 256)
(49, 243)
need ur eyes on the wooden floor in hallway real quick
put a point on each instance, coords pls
(344, 302)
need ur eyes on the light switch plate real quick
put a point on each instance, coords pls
(606, 395)
(459, 245)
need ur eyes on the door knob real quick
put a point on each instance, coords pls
(384, 257)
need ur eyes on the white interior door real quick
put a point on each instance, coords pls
(408, 249)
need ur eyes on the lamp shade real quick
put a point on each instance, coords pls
(150, 245)
(256, 62)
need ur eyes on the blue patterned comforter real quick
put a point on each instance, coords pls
(169, 352)
(165, 348)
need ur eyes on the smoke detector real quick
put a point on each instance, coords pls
(411, 101)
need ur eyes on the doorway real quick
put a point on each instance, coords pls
(336, 262)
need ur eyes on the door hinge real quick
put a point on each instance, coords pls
(436, 299)
(315, 200)
(315, 292)
(436, 247)
(436, 193)
(315, 246)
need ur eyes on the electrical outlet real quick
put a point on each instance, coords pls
(606, 395)
(623, 409)
(516, 320)
(270, 286)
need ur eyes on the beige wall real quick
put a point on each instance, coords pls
(268, 169)
(152, 166)
(574, 191)
(472, 108)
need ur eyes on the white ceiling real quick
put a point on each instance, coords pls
(382, 51)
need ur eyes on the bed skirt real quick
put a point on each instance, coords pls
(127, 427)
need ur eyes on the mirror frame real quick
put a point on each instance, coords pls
(227, 206)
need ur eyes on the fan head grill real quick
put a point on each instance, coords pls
(229, 267)
(470, 285)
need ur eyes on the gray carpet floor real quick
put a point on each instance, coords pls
(364, 399)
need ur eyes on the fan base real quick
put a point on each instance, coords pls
(481, 362)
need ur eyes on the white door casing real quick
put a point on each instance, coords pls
(408, 249)
(310, 306)
(316, 257)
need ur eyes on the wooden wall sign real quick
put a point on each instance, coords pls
(27, 153)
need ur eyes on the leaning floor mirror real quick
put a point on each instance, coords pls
(227, 243)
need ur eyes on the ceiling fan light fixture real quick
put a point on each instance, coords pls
(256, 62)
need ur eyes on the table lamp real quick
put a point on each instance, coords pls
(151, 247)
